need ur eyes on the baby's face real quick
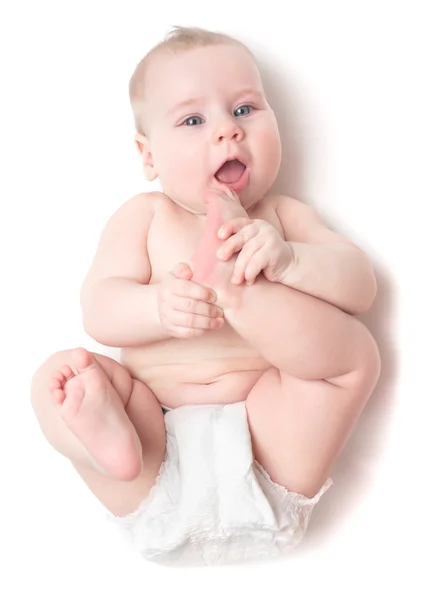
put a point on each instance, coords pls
(204, 107)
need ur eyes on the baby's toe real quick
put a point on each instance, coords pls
(56, 380)
(58, 396)
(61, 376)
(67, 372)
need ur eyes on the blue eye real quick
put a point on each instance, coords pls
(242, 110)
(193, 121)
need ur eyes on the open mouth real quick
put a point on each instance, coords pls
(230, 172)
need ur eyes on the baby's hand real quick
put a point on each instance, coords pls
(260, 247)
(187, 309)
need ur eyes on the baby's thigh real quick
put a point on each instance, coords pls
(298, 427)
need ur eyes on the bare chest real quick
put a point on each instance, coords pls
(175, 234)
(170, 241)
(222, 357)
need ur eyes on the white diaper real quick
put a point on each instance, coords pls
(212, 503)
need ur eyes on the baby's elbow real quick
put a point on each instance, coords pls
(94, 330)
(90, 327)
(86, 317)
(90, 318)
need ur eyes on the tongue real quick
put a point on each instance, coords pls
(230, 172)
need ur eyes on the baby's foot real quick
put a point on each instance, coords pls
(207, 269)
(94, 412)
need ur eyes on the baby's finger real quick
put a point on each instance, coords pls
(190, 289)
(234, 244)
(237, 241)
(253, 269)
(182, 270)
(197, 307)
(232, 227)
(193, 321)
(245, 257)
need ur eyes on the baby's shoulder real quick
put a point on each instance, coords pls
(271, 207)
(143, 201)
(134, 216)
(277, 201)
(138, 208)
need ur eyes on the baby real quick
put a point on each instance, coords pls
(243, 368)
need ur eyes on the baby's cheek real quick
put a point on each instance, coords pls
(270, 144)
(173, 165)
(179, 180)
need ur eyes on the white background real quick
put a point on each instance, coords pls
(351, 83)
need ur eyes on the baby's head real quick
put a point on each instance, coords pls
(198, 101)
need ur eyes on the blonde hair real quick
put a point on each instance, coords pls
(179, 39)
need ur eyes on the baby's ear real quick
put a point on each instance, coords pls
(142, 144)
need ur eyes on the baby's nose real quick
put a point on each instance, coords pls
(228, 130)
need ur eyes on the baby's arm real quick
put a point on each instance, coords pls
(118, 307)
(326, 264)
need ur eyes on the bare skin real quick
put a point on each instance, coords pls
(90, 406)
(289, 347)
(120, 486)
(301, 393)
(94, 412)
(312, 382)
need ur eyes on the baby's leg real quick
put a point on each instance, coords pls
(326, 365)
(110, 426)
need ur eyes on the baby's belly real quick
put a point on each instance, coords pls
(213, 369)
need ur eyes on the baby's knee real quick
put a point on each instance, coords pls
(369, 352)
(368, 362)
